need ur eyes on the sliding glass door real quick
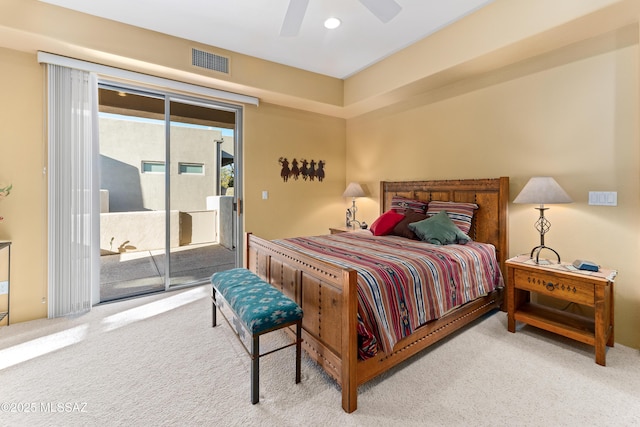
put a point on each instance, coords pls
(201, 219)
(167, 217)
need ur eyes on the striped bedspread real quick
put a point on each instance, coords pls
(402, 283)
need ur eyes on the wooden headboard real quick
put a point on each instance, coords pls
(490, 220)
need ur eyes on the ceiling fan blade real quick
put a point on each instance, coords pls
(385, 10)
(293, 18)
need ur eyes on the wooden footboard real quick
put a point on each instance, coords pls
(329, 301)
(328, 293)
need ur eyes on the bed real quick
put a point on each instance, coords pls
(328, 292)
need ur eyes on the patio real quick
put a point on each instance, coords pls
(136, 273)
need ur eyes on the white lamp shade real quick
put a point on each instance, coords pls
(542, 190)
(353, 190)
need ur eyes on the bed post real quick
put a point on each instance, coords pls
(349, 356)
(503, 212)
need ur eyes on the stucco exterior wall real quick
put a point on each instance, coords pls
(126, 144)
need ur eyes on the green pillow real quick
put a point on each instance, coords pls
(439, 230)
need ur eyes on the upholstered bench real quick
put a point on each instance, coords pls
(253, 308)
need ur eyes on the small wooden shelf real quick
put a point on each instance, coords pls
(570, 325)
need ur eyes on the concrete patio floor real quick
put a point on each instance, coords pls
(136, 273)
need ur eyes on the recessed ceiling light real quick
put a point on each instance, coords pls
(332, 23)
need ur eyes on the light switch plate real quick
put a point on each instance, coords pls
(4, 287)
(603, 198)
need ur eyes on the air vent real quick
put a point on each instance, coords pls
(210, 61)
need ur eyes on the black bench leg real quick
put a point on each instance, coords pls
(213, 307)
(298, 349)
(255, 369)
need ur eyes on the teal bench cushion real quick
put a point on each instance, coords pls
(259, 305)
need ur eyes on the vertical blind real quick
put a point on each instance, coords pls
(73, 262)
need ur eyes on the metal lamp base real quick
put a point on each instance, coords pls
(542, 225)
(537, 251)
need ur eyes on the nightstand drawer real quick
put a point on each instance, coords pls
(564, 287)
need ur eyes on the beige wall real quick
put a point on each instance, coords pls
(498, 93)
(576, 121)
(22, 160)
(294, 207)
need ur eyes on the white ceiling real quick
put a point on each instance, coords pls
(252, 27)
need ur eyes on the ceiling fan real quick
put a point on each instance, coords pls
(384, 10)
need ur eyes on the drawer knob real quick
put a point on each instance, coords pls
(550, 286)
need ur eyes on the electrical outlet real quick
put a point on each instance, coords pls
(4, 287)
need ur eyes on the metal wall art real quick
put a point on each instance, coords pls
(308, 170)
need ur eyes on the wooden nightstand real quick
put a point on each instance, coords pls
(592, 289)
(343, 229)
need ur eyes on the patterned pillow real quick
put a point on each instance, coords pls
(403, 205)
(385, 223)
(460, 213)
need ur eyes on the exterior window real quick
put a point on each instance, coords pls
(191, 168)
(152, 167)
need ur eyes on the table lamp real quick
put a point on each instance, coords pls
(542, 190)
(353, 190)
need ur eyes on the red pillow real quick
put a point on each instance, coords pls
(385, 223)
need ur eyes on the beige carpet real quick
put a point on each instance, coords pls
(156, 361)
